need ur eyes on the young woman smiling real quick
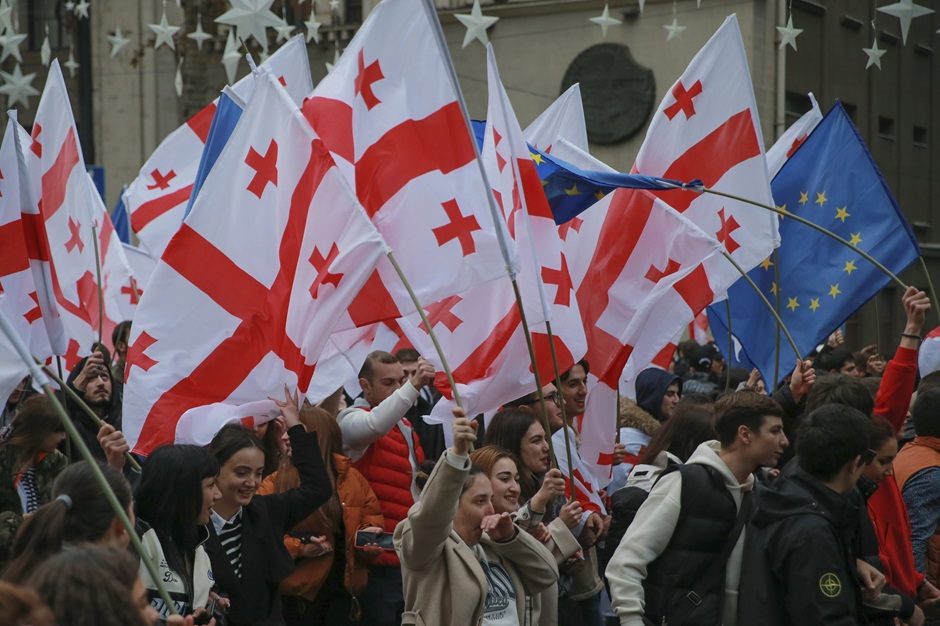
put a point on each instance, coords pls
(246, 544)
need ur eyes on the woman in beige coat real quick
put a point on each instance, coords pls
(462, 564)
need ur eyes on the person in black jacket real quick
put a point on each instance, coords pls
(800, 550)
(246, 536)
(91, 379)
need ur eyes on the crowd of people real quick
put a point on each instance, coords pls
(731, 502)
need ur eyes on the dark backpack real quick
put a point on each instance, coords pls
(624, 503)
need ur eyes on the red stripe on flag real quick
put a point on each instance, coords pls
(695, 289)
(664, 358)
(535, 199)
(477, 365)
(152, 209)
(332, 121)
(34, 234)
(13, 255)
(56, 179)
(439, 142)
(202, 121)
(373, 303)
(710, 159)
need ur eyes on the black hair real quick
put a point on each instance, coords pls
(85, 516)
(881, 431)
(926, 413)
(507, 429)
(407, 355)
(233, 438)
(742, 408)
(690, 425)
(378, 356)
(584, 365)
(169, 498)
(930, 381)
(840, 389)
(121, 332)
(830, 437)
(832, 360)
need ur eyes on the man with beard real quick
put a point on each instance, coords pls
(91, 379)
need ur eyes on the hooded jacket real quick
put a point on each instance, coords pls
(799, 559)
(651, 532)
(651, 386)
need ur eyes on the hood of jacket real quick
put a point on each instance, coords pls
(801, 494)
(635, 416)
(707, 454)
(651, 385)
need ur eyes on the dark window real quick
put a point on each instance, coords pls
(885, 127)
(920, 136)
(42, 14)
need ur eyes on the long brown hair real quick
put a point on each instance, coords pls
(34, 421)
(330, 439)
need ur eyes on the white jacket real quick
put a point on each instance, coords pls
(649, 534)
(201, 584)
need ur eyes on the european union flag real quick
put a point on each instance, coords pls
(832, 181)
(571, 190)
(227, 114)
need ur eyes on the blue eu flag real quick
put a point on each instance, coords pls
(832, 181)
(571, 190)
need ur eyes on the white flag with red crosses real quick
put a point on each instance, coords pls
(392, 120)
(707, 128)
(563, 119)
(57, 222)
(250, 288)
(157, 198)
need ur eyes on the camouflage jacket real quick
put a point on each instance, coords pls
(11, 510)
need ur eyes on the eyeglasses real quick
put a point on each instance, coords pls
(549, 397)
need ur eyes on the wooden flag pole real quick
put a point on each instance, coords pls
(564, 409)
(43, 381)
(94, 240)
(777, 303)
(85, 409)
(812, 225)
(427, 325)
(766, 302)
(933, 294)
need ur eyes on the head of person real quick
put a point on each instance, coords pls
(574, 388)
(330, 440)
(882, 448)
(531, 403)
(521, 433)
(926, 413)
(240, 455)
(837, 361)
(500, 467)
(930, 381)
(98, 389)
(119, 337)
(21, 606)
(381, 376)
(35, 430)
(658, 392)
(78, 513)
(707, 359)
(175, 496)
(19, 393)
(751, 425)
(685, 349)
(94, 586)
(690, 425)
(408, 357)
(833, 445)
(475, 503)
(840, 389)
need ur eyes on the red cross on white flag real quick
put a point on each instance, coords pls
(157, 198)
(392, 120)
(707, 128)
(228, 315)
(793, 138)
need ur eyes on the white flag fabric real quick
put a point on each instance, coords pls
(563, 119)
(393, 122)
(793, 138)
(251, 286)
(142, 264)
(156, 199)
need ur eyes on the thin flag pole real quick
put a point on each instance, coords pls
(427, 325)
(43, 381)
(933, 294)
(85, 409)
(877, 321)
(776, 261)
(766, 302)
(94, 240)
(564, 409)
(730, 345)
(812, 225)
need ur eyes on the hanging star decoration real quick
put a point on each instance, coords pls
(874, 54)
(81, 10)
(476, 24)
(45, 51)
(11, 42)
(6, 16)
(164, 32)
(251, 18)
(17, 87)
(330, 66)
(178, 79)
(905, 11)
(70, 6)
(642, 5)
(673, 29)
(334, 5)
(788, 34)
(605, 21)
(231, 57)
(284, 30)
(71, 64)
(117, 41)
(199, 35)
(313, 27)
